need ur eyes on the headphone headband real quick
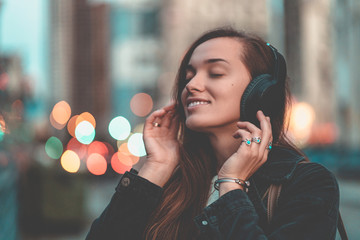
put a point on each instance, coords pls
(280, 65)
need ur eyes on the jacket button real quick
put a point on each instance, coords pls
(204, 223)
(125, 181)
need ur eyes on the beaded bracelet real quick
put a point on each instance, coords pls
(243, 183)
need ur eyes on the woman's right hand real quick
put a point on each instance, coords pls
(161, 144)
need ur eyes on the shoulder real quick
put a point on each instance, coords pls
(312, 174)
(313, 183)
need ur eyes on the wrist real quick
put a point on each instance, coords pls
(224, 185)
(158, 174)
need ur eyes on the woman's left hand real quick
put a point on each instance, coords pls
(248, 158)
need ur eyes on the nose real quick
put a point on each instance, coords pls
(196, 84)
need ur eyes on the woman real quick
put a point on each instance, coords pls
(199, 138)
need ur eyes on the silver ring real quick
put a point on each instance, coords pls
(247, 141)
(269, 146)
(155, 124)
(256, 139)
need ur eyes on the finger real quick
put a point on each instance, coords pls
(244, 135)
(167, 119)
(154, 117)
(265, 125)
(170, 106)
(255, 131)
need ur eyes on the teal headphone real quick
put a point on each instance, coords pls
(264, 92)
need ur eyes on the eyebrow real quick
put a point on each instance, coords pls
(207, 61)
(212, 60)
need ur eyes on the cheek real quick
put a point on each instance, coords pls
(183, 96)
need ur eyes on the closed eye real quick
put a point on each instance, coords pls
(216, 75)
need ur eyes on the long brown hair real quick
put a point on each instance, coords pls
(187, 191)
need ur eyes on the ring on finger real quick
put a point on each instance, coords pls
(269, 146)
(256, 139)
(247, 141)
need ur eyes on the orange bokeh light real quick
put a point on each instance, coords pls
(2, 124)
(77, 147)
(72, 125)
(55, 124)
(98, 147)
(86, 116)
(117, 165)
(61, 112)
(96, 164)
(141, 104)
(126, 155)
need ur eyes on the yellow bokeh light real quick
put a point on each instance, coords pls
(70, 161)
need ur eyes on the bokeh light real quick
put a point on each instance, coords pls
(72, 125)
(118, 165)
(85, 132)
(136, 145)
(96, 164)
(128, 156)
(54, 148)
(4, 79)
(55, 124)
(110, 150)
(301, 121)
(77, 147)
(141, 104)
(98, 147)
(70, 161)
(2, 128)
(119, 128)
(61, 113)
(86, 116)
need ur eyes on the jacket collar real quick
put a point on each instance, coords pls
(280, 165)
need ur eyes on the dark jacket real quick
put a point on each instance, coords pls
(307, 208)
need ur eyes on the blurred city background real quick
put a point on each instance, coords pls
(79, 77)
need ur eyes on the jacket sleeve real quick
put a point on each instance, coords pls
(128, 212)
(307, 209)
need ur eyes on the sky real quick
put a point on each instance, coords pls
(24, 32)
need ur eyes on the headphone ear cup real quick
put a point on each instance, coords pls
(258, 95)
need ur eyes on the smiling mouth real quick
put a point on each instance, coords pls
(197, 103)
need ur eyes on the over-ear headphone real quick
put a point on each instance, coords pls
(262, 93)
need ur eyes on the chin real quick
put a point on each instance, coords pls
(195, 125)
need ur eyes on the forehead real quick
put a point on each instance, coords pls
(223, 47)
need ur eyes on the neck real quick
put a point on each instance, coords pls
(223, 143)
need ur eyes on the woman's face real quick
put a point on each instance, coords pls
(216, 79)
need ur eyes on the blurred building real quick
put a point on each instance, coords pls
(80, 57)
(346, 54)
(136, 49)
(104, 52)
